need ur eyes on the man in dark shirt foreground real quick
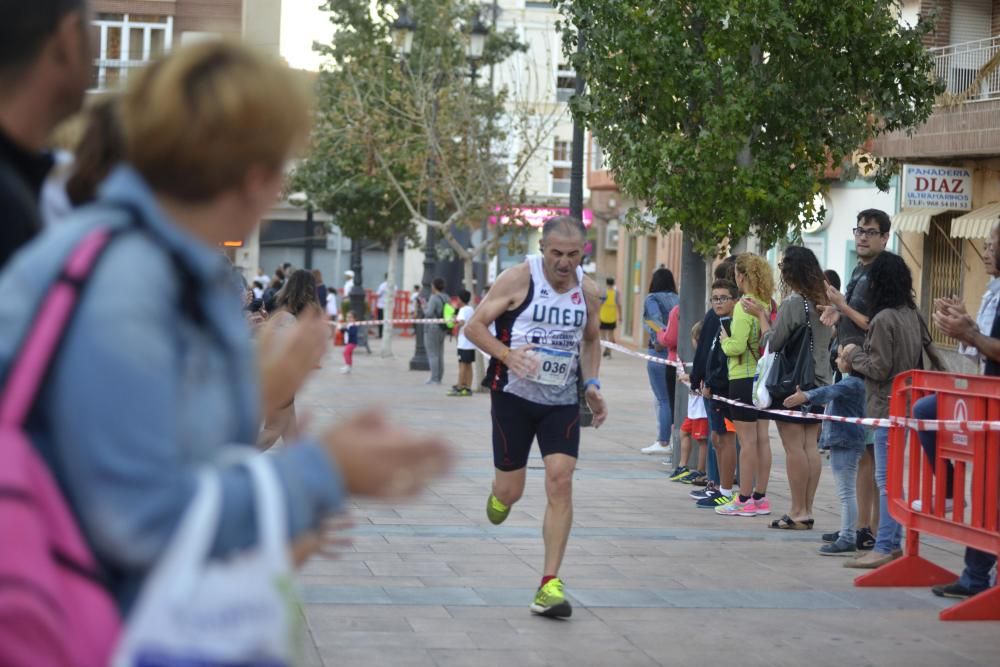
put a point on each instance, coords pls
(45, 69)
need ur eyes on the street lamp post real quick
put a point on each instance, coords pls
(576, 168)
(404, 28)
(357, 294)
(307, 262)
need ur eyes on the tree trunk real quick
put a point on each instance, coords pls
(693, 287)
(468, 279)
(390, 299)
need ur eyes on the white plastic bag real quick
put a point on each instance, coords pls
(214, 613)
(761, 397)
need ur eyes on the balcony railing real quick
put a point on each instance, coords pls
(970, 70)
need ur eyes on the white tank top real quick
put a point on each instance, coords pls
(553, 322)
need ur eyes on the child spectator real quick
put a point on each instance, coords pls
(466, 350)
(350, 342)
(846, 443)
(716, 382)
(695, 427)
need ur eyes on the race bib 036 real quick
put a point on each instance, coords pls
(554, 366)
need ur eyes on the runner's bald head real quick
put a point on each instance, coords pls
(564, 225)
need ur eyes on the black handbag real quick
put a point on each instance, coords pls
(795, 365)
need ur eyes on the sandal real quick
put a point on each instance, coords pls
(788, 523)
(809, 522)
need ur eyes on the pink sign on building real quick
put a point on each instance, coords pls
(535, 216)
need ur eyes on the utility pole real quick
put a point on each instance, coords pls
(576, 170)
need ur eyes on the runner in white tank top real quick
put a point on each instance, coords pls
(552, 323)
(546, 317)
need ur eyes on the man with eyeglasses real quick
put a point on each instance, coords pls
(850, 313)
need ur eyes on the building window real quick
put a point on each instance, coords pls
(125, 42)
(943, 271)
(596, 156)
(565, 82)
(561, 165)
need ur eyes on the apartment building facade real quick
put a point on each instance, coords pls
(950, 181)
(539, 79)
(128, 34)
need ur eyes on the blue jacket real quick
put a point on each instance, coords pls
(844, 399)
(657, 307)
(141, 396)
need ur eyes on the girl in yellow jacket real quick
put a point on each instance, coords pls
(742, 347)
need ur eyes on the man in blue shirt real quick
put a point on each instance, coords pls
(952, 319)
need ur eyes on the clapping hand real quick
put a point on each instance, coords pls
(834, 295)
(796, 399)
(828, 315)
(751, 307)
(958, 325)
(382, 460)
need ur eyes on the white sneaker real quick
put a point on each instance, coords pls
(918, 505)
(657, 448)
(346, 370)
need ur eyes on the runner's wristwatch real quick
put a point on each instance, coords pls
(592, 381)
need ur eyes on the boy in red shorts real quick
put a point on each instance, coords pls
(695, 427)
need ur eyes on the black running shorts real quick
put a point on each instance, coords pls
(517, 422)
(466, 356)
(742, 390)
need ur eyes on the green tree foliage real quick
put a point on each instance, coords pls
(394, 130)
(722, 115)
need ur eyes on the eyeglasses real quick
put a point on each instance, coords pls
(870, 233)
(721, 299)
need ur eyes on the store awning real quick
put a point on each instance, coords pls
(976, 224)
(917, 220)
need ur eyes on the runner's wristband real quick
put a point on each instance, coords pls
(592, 381)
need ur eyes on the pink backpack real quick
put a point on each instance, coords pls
(54, 610)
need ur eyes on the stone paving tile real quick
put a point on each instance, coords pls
(579, 645)
(383, 657)
(632, 658)
(360, 595)
(336, 567)
(442, 596)
(616, 598)
(505, 597)
(308, 581)
(488, 658)
(379, 641)
(410, 568)
(319, 612)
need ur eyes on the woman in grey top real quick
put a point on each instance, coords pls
(896, 342)
(803, 281)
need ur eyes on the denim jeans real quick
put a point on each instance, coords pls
(844, 463)
(890, 533)
(712, 463)
(976, 575)
(926, 408)
(664, 410)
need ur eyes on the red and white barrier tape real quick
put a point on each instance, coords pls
(371, 323)
(917, 424)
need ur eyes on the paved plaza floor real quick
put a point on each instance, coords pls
(653, 580)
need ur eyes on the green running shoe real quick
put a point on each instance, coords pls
(496, 511)
(550, 601)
